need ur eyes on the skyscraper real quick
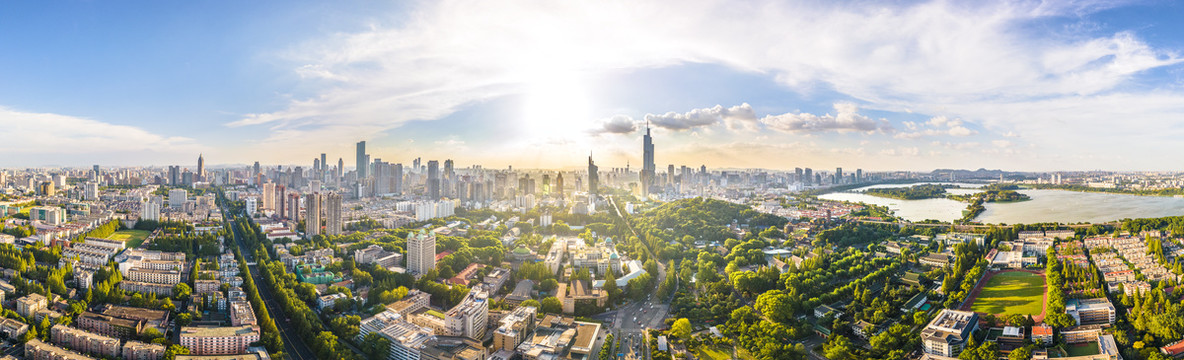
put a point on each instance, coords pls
(332, 204)
(340, 168)
(362, 163)
(809, 178)
(421, 252)
(174, 175)
(201, 167)
(838, 175)
(647, 162)
(324, 168)
(269, 195)
(858, 175)
(433, 183)
(256, 169)
(670, 174)
(559, 185)
(293, 207)
(312, 215)
(95, 175)
(593, 178)
(397, 179)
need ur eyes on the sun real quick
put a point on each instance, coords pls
(556, 105)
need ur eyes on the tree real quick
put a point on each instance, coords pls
(531, 302)
(184, 319)
(174, 350)
(1024, 353)
(839, 348)
(150, 333)
(181, 291)
(552, 305)
(681, 329)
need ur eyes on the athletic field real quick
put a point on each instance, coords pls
(1013, 292)
(130, 238)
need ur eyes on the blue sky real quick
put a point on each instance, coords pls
(1023, 85)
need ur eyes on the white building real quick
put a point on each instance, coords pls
(469, 318)
(177, 197)
(421, 252)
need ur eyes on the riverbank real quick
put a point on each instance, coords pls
(1088, 189)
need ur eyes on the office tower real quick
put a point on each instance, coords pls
(559, 185)
(324, 168)
(298, 177)
(257, 170)
(670, 174)
(46, 188)
(546, 184)
(268, 193)
(838, 175)
(332, 204)
(397, 179)
(293, 207)
(433, 183)
(809, 176)
(448, 180)
(91, 191)
(421, 252)
(340, 168)
(201, 167)
(818, 179)
(362, 163)
(174, 175)
(187, 178)
(593, 177)
(312, 215)
(94, 175)
(647, 162)
(797, 174)
(316, 168)
(858, 175)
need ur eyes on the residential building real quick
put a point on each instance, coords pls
(580, 294)
(84, 341)
(37, 350)
(135, 350)
(218, 340)
(312, 215)
(31, 304)
(241, 313)
(407, 340)
(514, 327)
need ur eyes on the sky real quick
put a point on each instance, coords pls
(878, 85)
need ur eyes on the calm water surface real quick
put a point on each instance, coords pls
(1045, 206)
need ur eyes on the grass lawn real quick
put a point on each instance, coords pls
(130, 238)
(1089, 348)
(1009, 293)
(714, 353)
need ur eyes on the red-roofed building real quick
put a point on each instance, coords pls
(441, 256)
(1173, 349)
(1042, 332)
(468, 273)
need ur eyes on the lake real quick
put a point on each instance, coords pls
(1046, 206)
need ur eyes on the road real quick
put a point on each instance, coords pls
(294, 346)
(630, 321)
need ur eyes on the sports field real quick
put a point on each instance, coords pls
(130, 238)
(1014, 292)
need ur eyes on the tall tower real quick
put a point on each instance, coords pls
(340, 168)
(201, 167)
(362, 163)
(332, 204)
(433, 185)
(647, 163)
(421, 252)
(593, 178)
(312, 215)
(559, 185)
(324, 168)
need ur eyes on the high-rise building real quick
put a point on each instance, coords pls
(559, 185)
(809, 176)
(593, 177)
(174, 175)
(269, 195)
(90, 191)
(95, 175)
(201, 167)
(362, 163)
(397, 179)
(858, 175)
(647, 162)
(670, 174)
(293, 205)
(433, 184)
(470, 317)
(421, 252)
(332, 203)
(838, 175)
(312, 215)
(340, 168)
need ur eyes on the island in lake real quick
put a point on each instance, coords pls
(1000, 193)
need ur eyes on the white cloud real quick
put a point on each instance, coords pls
(847, 118)
(736, 117)
(45, 133)
(618, 124)
(979, 61)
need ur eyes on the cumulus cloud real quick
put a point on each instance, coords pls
(45, 133)
(618, 124)
(847, 118)
(736, 117)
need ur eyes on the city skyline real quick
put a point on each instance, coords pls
(1023, 86)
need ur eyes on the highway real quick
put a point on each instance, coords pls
(294, 346)
(630, 321)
